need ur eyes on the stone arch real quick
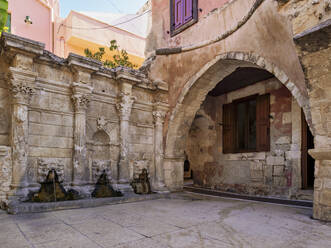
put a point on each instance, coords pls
(196, 89)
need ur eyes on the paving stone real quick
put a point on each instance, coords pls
(185, 221)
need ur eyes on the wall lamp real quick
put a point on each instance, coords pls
(28, 20)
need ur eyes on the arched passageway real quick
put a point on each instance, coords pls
(190, 109)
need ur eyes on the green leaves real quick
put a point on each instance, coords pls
(120, 58)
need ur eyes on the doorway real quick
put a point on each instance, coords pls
(308, 163)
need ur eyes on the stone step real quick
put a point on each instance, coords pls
(307, 195)
(29, 207)
(301, 203)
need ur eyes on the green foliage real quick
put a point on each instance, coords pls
(120, 58)
(3, 14)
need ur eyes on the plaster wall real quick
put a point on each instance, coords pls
(42, 14)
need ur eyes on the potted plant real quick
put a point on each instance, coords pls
(3, 14)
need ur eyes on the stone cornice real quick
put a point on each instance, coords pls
(83, 62)
(326, 25)
(14, 42)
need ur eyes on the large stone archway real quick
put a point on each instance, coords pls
(194, 93)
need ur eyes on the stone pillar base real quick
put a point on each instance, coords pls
(322, 213)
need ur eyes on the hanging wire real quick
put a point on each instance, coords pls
(106, 27)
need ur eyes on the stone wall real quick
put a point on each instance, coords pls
(314, 50)
(305, 14)
(262, 173)
(76, 117)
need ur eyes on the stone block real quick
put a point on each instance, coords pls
(34, 116)
(54, 119)
(287, 118)
(256, 165)
(283, 140)
(327, 183)
(318, 184)
(4, 139)
(272, 160)
(293, 155)
(50, 152)
(257, 174)
(279, 152)
(279, 181)
(68, 120)
(278, 170)
(325, 197)
(51, 142)
(50, 130)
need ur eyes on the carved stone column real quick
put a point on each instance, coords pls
(81, 98)
(21, 86)
(159, 114)
(124, 107)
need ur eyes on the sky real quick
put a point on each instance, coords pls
(111, 6)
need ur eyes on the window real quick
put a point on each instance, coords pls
(246, 125)
(183, 14)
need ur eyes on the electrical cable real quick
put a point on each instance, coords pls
(106, 27)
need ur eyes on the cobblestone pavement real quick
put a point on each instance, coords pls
(187, 221)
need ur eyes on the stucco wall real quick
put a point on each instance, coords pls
(41, 15)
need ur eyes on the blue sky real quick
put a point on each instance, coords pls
(111, 6)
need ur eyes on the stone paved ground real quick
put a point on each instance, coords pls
(188, 221)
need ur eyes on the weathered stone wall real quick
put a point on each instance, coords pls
(5, 173)
(314, 50)
(250, 173)
(305, 14)
(76, 117)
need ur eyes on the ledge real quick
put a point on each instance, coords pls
(84, 62)
(320, 153)
(13, 41)
(29, 207)
(322, 26)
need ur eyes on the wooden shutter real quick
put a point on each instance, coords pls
(229, 135)
(179, 11)
(188, 10)
(263, 123)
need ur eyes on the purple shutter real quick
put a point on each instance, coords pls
(179, 12)
(188, 10)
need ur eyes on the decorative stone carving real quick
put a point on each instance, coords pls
(159, 116)
(99, 167)
(141, 184)
(80, 101)
(124, 105)
(101, 123)
(21, 85)
(139, 165)
(46, 165)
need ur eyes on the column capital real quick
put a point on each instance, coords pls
(160, 112)
(21, 85)
(81, 96)
(159, 116)
(124, 105)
